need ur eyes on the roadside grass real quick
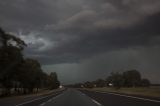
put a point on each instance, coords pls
(151, 91)
(39, 93)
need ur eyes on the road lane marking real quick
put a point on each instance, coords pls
(35, 100)
(51, 99)
(42, 104)
(131, 97)
(135, 97)
(96, 102)
(57, 96)
(32, 101)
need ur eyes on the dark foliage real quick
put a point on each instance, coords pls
(24, 75)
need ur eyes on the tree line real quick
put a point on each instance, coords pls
(130, 78)
(21, 75)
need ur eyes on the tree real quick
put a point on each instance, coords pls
(53, 81)
(132, 78)
(7, 39)
(10, 56)
(99, 83)
(15, 71)
(88, 84)
(145, 83)
(29, 75)
(117, 80)
(108, 80)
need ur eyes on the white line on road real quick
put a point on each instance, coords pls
(35, 100)
(131, 97)
(32, 101)
(96, 102)
(57, 96)
(92, 99)
(42, 104)
(51, 99)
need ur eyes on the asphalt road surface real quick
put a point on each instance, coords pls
(73, 97)
(112, 99)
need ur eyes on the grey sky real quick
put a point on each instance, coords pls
(87, 39)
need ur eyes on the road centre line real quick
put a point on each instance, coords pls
(92, 99)
(49, 100)
(96, 102)
(42, 104)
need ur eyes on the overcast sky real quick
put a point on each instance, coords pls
(87, 39)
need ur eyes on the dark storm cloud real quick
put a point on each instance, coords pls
(91, 43)
(71, 30)
(76, 31)
(25, 14)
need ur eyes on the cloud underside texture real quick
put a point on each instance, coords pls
(97, 35)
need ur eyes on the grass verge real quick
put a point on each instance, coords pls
(39, 93)
(150, 92)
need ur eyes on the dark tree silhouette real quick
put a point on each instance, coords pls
(53, 81)
(10, 56)
(17, 72)
(132, 78)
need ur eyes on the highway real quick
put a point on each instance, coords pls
(111, 99)
(73, 97)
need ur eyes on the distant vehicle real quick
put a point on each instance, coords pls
(110, 84)
(60, 86)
